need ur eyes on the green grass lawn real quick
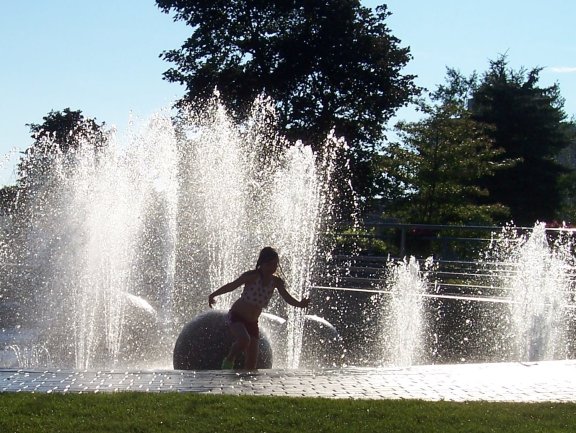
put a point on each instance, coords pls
(172, 412)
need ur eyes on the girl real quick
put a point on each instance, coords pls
(259, 285)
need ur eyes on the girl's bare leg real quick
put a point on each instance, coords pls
(251, 354)
(241, 341)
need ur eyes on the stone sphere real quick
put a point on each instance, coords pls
(205, 341)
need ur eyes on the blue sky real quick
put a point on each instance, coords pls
(101, 57)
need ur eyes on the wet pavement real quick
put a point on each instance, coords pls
(549, 381)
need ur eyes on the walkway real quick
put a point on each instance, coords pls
(515, 382)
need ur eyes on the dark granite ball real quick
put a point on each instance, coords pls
(205, 341)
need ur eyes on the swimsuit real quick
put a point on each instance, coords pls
(254, 293)
(251, 327)
(258, 294)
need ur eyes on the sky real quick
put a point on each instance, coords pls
(102, 57)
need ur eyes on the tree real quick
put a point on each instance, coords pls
(67, 129)
(328, 65)
(567, 182)
(433, 172)
(8, 197)
(62, 132)
(529, 124)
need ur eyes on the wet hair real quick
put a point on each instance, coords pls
(267, 254)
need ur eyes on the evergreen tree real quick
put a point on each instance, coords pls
(567, 182)
(529, 124)
(433, 171)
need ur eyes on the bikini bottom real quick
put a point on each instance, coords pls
(251, 327)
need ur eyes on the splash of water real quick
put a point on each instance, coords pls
(84, 238)
(247, 188)
(126, 243)
(538, 278)
(405, 328)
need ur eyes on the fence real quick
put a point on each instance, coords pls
(456, 250)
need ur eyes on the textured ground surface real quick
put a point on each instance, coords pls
(519, 382)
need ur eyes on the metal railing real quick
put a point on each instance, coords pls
(441, 241)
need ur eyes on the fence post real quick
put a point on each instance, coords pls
(402, 241)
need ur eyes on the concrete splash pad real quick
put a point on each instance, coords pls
(549, 381)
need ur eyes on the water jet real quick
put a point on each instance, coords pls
(116, 251)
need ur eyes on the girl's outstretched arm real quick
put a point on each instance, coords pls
(281, 286)
(226, 288)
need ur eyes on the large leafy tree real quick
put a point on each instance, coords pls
(433, 171)
(529, 123)
(60, 133)
(55, 141)
(66, 130)
(328, 65)
(35, 196)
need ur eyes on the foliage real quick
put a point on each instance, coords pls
(432, 173)
(66, 128)
(529, 124)
(8, 197)
(328, 65)
(567, 182)
(61, 133)
(173, 412)
(38, 187)
(364, 241)
(485, 153)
